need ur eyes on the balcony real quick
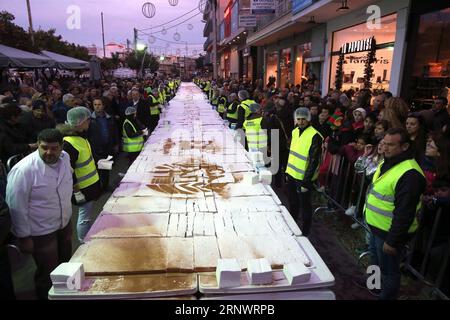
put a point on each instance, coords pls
(283, 7)
(207, 43)
(208, 28)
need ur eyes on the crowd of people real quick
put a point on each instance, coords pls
(51, 141)
(62, 130)
(404, 156)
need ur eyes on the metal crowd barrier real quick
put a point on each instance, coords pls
(337, 190)
(341, 181)
(424, 254)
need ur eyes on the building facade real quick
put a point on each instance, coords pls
(305, 39)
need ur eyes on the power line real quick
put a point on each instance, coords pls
(179, 42)
(168, 28)
(170, 20)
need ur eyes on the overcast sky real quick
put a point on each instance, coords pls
(120, 17)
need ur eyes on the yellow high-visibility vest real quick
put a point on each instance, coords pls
(245, 105)
(131, 144)
(255, 135)
(299, 153)
(85, 169)
(381, 195)
(154, 111)
(222, 102)
(233, 115)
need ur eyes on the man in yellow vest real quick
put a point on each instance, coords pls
(303, 167)
(87, 187)
(215, 98)
(392, 204)
(155, 110)
(256, 131)
(221, 103)
(243, 110)
(231, 113)
(207, 87)
(132, 135)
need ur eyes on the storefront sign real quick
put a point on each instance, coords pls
(262, 6)
(247, 21)
(299, 5)
(246, 52)
(357, 46)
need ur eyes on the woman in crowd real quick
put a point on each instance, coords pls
(415, 125)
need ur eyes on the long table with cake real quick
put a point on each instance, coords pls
(194, 216)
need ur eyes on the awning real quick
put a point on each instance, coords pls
(65, 62)
(15, 58)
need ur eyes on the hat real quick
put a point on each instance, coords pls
(335, 120)
(130, 110)
(76, 116)
(363, 112)
(302, 112)
(254, 107)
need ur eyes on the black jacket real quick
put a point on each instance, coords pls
(143, 111)
(33, 125)
(440, 119)
(315, 152)
(324, 128)
(93, 192)
(100, 148)
(13, 140)
(408, 192)
(283, 121)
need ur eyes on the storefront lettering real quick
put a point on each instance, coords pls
(362, 59)
(357, 46)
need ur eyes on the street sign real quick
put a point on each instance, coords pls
(247, 21)
(262, 6)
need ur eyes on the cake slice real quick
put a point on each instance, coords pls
(228, 273)
(259, 271)
(296, 273)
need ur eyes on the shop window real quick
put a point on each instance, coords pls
(433, 45)
(285, 67)
(431, 69)
(303, 51)
(353, 69)
(354, 61)
(271, 66)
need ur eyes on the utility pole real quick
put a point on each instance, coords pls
(135, 41)
(214, 5)
(103, 37)
(30, 21)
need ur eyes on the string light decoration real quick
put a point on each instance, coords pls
(173, 3)
(178, 52)
(190, 26)
(148, 10)
(163, 31)
(151, 39)
(176, 36)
